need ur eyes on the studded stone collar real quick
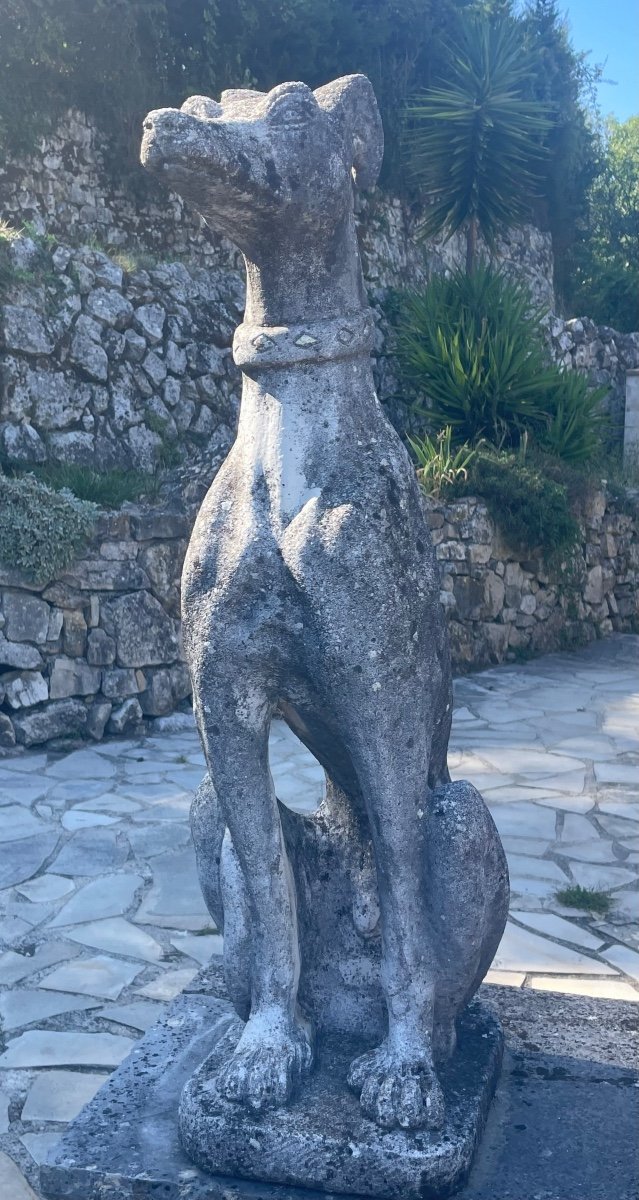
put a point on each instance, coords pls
(312, 342)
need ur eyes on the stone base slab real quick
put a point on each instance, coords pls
(124, 1144)
(323, 1140)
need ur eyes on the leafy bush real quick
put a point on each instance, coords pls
(105, 57)
(565, 80)
(605, 261)
(532, 510)
(472, 348)
(41, 530)
(439, 465)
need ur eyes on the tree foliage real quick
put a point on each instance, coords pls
(117, 55)
(116, 59)
(605, 278)
(565, 81)
(106, 57)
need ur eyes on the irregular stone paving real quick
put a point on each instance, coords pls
(102, 917)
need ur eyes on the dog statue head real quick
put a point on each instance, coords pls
(259, 164)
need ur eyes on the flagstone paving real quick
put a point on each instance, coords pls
(102, 921)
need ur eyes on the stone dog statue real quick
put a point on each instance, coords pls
(310, 586)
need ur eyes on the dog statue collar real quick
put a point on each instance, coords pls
(312, 342)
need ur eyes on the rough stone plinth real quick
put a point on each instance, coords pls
(323, 1141)
(125, 1143)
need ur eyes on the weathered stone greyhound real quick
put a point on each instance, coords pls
(310, 585)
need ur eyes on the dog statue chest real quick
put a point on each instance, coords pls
(281, 446)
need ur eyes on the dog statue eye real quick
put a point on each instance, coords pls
(286, 113)
(293, 109)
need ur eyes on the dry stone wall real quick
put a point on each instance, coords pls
(107, 368)
(106, 363)
(502, 605)
(109, 365)
(97, 650)
(604, 354)
(66, 190)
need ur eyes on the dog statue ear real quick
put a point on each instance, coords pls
(201, 106)
(351, 102)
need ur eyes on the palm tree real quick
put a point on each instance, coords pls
(474, 144)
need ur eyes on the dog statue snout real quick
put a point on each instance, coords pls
(255, 158)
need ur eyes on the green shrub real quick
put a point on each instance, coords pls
(41, 530)
(472, 349)
(439, 465)
(531, 509)
(604, 263)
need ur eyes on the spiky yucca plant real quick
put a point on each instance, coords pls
(474, 143)
(471, 347)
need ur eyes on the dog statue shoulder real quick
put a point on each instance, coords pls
(310, 587)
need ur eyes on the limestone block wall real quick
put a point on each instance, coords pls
(65, 188)
(604, 354)
(55, 321)
(97, 650)
(106, 367)
(502, 605)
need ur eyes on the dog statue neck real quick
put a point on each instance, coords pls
(305, 305)
(295, 276)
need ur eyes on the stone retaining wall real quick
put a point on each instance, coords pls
(110, 367)
(605, 355)
(67, 189)
(98, 649)
(501, 605)
(100, 362)
(104, 367)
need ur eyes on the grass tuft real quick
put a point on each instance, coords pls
(8, 233)
(588, 899)
(109, 489)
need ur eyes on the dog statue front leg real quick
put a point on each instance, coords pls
(274, 1051)
(397, 1082)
